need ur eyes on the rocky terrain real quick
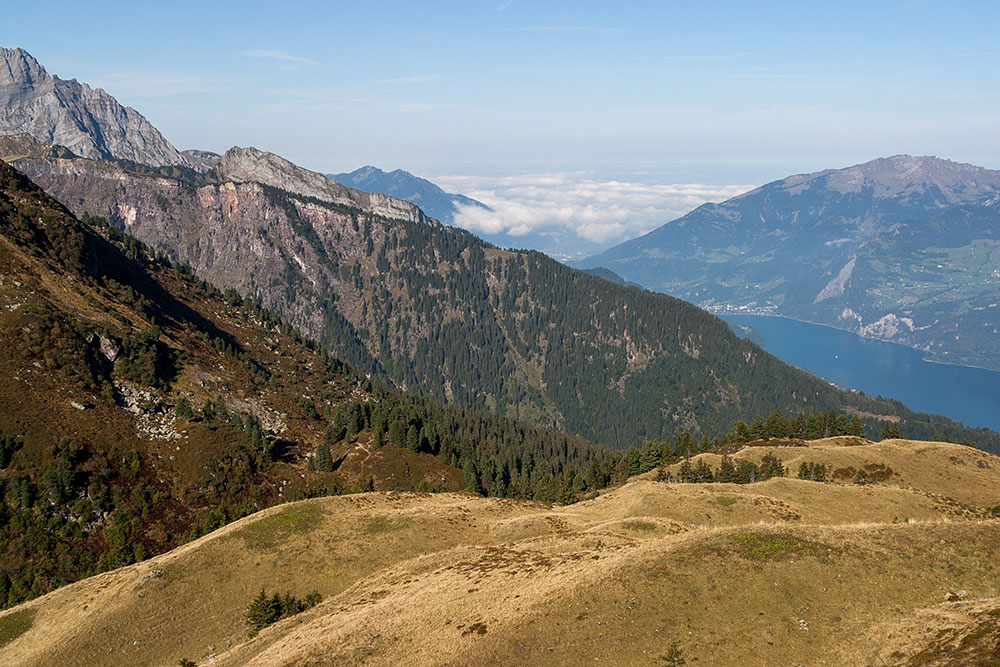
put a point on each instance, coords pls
(901, 249)
(87, 121)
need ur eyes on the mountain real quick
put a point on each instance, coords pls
(431, 199)
(902, 249)
(87, 121)
(896, 571)
(140, 408)
(433, 309)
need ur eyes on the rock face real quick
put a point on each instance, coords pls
(87, 121)
(243, 165)
(899, 239)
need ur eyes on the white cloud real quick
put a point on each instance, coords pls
(577, 206)
(155, 84)
(276, 55)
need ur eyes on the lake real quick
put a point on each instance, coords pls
(969, 395)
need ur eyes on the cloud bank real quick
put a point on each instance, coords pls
(584, 213)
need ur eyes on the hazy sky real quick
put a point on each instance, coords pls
(640, 92)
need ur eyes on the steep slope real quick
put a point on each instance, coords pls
(431, 199)
(899, 248)
(441, 312)
(802, 572)
(88, 122)
(140, 407)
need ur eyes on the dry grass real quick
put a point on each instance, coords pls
(782, 572)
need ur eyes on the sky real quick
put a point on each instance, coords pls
(631, 97)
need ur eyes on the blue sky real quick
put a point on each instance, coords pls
(646, 92)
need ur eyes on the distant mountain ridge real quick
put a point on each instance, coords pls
(865, 248)
(432, 199)
(87, 121)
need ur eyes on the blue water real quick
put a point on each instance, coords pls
(969, 395)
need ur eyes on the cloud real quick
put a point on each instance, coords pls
(577, 208)
(276, 55)
(156, 84)
(419, 78)
(559, 28)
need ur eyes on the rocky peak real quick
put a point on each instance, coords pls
(253, 165)
(17, 66)
(903, 176)
(89, 122)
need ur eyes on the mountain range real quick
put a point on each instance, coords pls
(435, 310)
(904, 249)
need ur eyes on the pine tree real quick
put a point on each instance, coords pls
(263, 611)
(413, 439)
(890, 430)
(686, 472)
(770, 467)
(702, 473)
(323, 459)
(727, 471)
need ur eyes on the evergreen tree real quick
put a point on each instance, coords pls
(746, 472)
(413, 439)
(323, 458)
(263, 611)
(890, 430)
(770, 466)
(702, 473)
(183, 408)
(727, 471)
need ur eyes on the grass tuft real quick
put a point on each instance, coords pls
(270, 532)
(14, 625)
(769, 546)
(384, 524)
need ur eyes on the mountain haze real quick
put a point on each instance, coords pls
(87, 121)
(904, 249)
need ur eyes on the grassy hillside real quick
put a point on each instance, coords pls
(786, 571)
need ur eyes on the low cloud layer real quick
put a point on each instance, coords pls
(579, 213)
